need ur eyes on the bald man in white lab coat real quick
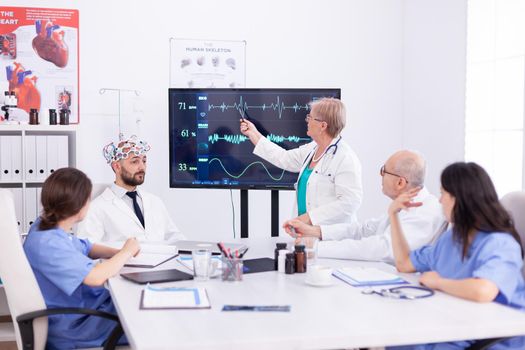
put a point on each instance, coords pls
(371, 240)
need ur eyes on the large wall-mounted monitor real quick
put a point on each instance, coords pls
(207, 149)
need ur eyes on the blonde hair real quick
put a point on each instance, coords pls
(333, 112)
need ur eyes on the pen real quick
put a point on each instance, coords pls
(242, 115)
(277, 308)
(225, 253)
(242, 254)
(222, 249)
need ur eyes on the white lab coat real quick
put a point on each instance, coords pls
(110, 219)
(334, 189)
(372, 240)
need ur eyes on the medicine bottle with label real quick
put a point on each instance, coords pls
(289, 267)
(300, 259)
(279, 246)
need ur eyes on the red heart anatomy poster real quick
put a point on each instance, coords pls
(39, 59)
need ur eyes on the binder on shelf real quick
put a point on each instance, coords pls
(38, 201)
(30, 206)
(5, 158)
(16, 157)
(62, 151)
(30, 158)
(41, 157)
(52, 154)
(17, 197)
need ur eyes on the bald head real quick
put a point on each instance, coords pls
(409, 164)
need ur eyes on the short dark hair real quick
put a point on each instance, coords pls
(477, 206)
(64, 194)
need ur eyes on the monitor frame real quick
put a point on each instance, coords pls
(171, 107)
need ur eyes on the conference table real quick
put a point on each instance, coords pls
(332, 317)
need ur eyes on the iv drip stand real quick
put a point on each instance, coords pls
(102, 91)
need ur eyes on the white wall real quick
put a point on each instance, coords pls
(370, 49)
(434, 75)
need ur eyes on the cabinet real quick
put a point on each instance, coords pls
(28, 155)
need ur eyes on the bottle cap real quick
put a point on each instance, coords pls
(299, 248)
(281, 245)
(290, 256)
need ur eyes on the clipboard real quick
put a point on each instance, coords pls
(174, 298)
(367, 277)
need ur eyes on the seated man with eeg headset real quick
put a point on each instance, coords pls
(124, 210)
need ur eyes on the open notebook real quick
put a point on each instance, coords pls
(174, 298)
(150, 255)
(367, 276)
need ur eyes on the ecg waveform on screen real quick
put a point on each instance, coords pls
(245, 169)
(243, 106)
(238, 139)
(235, 139)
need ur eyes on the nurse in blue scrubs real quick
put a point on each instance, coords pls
(65, 266)
(479, 258)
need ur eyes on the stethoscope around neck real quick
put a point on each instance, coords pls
(333, 145)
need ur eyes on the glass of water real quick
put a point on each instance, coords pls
(201, 264)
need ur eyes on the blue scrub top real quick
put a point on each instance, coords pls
(301, 190)
(60, 263)
(492, 256)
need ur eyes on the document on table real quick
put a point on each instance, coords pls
(367, 276)
(150, 255)
(174, 298)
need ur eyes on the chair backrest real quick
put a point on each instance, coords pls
(514, 202)
(98, 189)
(21, 287)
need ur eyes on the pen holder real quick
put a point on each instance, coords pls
(232, 269)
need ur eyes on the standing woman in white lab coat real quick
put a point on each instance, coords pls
(328, 188)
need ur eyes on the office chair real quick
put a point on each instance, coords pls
(98, 189)
(514, 202)
(24, 297)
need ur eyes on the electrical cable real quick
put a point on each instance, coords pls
(233, 213)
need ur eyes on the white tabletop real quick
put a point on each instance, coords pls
(339, 316)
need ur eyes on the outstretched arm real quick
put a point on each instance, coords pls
(249, 129)
(399, 243)
(474, 289)
(99, 251)
(109, 268)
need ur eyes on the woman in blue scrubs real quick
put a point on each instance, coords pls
(479, 258)
(65, 266)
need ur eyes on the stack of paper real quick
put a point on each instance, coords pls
(174, 298)
(367, 276)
